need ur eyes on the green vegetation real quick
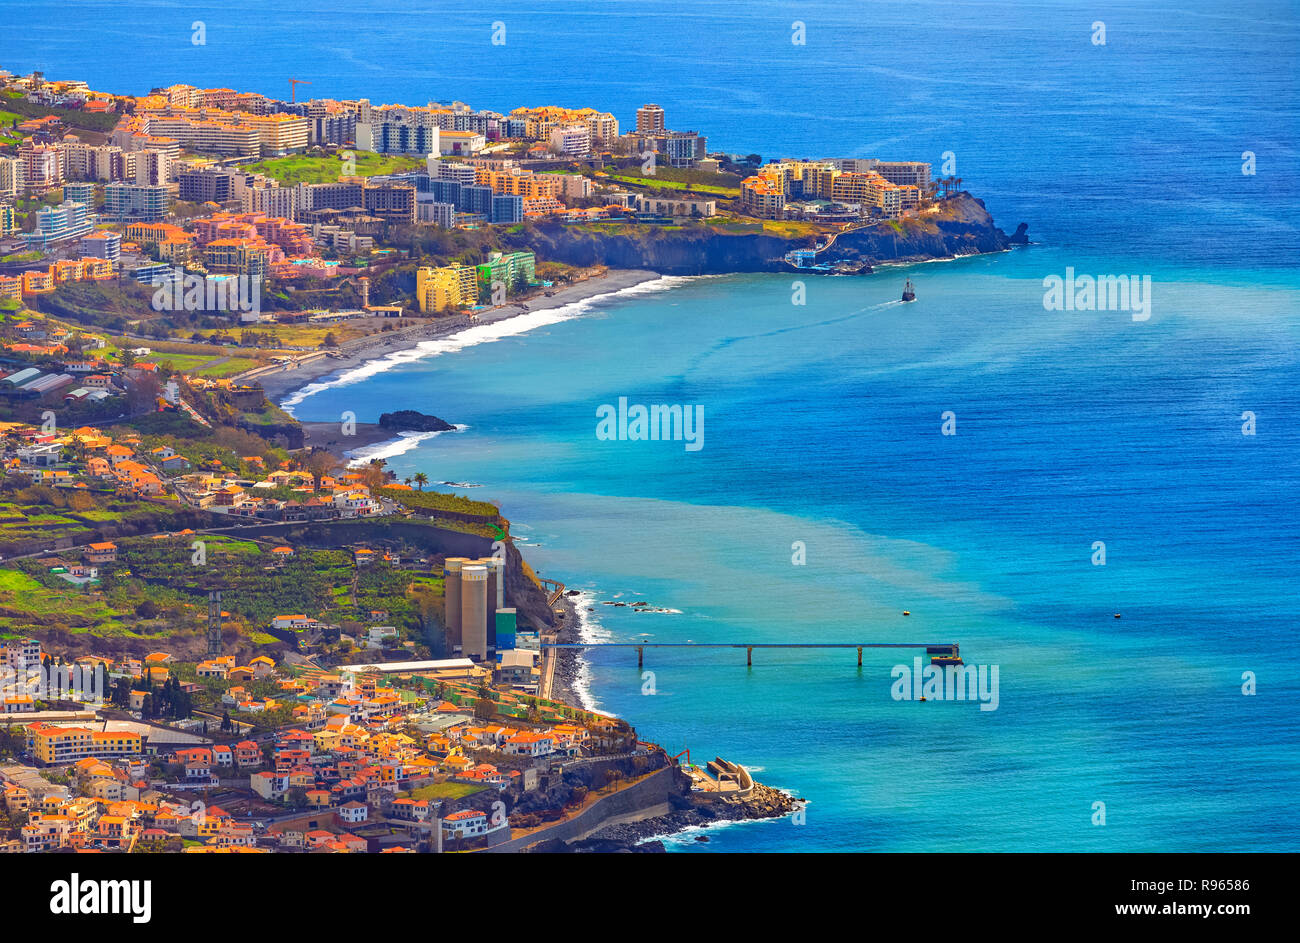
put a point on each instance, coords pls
(257, 587)
(34, 517)
(72, 117)
(443, 502)
(302, 168)
(46, 606)
(444, 791)
(659, 183)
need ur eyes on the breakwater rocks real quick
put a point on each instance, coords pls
(691, 811)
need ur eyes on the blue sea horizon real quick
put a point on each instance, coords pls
(823, 421)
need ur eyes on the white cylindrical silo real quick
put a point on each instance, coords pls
(473, 610)
(451, 567)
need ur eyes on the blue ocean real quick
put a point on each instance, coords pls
(826, 499)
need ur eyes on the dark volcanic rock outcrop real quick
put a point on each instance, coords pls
(408, 420)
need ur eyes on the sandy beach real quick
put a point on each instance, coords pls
(280, 384)
(365, 436)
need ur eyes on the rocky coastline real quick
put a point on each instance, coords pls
(967, 229)
(688, 812)
(960, 226)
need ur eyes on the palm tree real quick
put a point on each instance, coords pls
(421, 479)
(407, 481)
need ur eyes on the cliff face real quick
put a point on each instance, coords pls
(962, 227)
(674, 252)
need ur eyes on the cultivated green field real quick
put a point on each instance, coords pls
(664, 184)
(301, 168)
(446, 791)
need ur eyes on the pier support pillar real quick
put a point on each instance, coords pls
(859, 656)
(640, 656)
(749, 658)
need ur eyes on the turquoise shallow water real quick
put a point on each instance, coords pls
(822, 425)
(823, 420)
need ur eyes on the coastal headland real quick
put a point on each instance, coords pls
(959, 225)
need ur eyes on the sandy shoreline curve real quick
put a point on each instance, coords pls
(280, 385)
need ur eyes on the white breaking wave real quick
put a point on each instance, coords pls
(589, 630)
(404, 442)
(478, 334)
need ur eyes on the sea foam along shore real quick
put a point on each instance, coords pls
(388, 448)
(382, 352)
(293, 387)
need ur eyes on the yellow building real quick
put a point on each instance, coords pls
(59, 745)
(453, 286)
(517, 182)
(763, 196)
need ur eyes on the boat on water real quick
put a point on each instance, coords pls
(909, 291)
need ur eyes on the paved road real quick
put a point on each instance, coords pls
(548, 669)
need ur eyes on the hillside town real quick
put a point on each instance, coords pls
(220, 184)
(438, 756)
(220, 629)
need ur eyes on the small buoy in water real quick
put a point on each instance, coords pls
(1117, 615)
(906, 613)
(923, 697)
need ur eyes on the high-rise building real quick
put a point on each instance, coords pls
(913, 173)
(439, 214)
(675, 148)
(125, 202)
(516, 271)
(399, 129)
(54, 224)
(79, 193)
(151, 168)
(43, 165)
(650, 119)
(102, 244)
(394, 203)
(207, 186)
(328, 196)
(459, 171)
(506, 208)
(11, 177)
(476, 200)
(572, 140)
(452, 286)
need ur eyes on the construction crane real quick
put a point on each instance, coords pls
(293, 89)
